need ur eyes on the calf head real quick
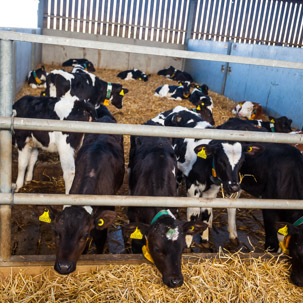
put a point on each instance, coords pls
(202, 108)
(186, 88)
(72, 227)
(227, 159)
(168, 72)
(83, 62)
(116, 94)
(165, 241)
(203, 88)
(282, 124)
(295, 248)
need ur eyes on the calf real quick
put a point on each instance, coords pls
(207, 165)
(86, 86)
(73, 228)
(204, 104)
(37, 78)
(278, 125)
(133, 74)
(29, 142)
(87, 65)
(99, 171)
(152, 172)
(175, 74)
(248, 109)
(174, 91)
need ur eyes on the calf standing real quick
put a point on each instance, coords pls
(99, 171)
(29, 142)
(152, 172)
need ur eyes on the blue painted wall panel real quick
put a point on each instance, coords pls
(208, 72)
(278, 90)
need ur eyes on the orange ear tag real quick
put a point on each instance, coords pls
(202, 153)
(106, 102)
(214, 174)
(146, 253)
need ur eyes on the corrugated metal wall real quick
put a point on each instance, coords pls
(273, 22)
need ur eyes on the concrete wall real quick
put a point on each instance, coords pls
(27, 57)
(52, 54)
(278, 90)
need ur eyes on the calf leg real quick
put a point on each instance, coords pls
(23, 160)
(32, 161)
(232, 227)
(67, 160)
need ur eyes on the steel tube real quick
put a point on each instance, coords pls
(6, 97)
(145, 130)
(146, 201)
(46, 39)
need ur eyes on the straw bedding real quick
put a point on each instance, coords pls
(227, 278)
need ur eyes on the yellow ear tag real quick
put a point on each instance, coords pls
(45, 217)
(283, 231)
(192, 228)
(214, 174)
(106, 102)
(136, 234)
(180, 84)
(140, 78)
(100, 222)
(146, 253)
(249, 149)
(122, 93)
(202, 153)
(272, 121)
(198, 107)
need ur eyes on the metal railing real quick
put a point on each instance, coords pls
(7, 124)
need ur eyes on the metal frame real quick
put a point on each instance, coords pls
(7, 124)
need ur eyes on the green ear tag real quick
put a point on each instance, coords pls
(136, 234)
(45, 217)
(202, 153)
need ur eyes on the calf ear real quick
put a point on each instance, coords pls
(205, 150)
(134, 229)
(104, 219)
(125, 90)
(194, 227)
(252, 149)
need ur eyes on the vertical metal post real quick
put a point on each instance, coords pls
(6, 98)
(189, 24)
(226, 67)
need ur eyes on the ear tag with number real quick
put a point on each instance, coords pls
(100, 222)
(202, 153)
(136, 234)
(283, 230)
(122, 93)
(106, 102)
(198, 107)
(45, 217)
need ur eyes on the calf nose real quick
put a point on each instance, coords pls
(64, 268)
(176, 282)
(234, 187)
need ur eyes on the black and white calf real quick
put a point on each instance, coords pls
(175, 74)
(204, 103)
(176, 92)
(37, 78)
(133, 74)
(86, 64)
(152, 172)
(278, 125)
(99, 171)
(29, 142)
(207, 165)
(86, 86)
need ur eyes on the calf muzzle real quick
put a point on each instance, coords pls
(64, 268)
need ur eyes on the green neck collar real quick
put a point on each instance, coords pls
(162, 213)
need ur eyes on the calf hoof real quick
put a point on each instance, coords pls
(234, 242)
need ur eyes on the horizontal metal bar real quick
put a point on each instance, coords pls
(146, 130)
(146, 50)
(146, 201)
